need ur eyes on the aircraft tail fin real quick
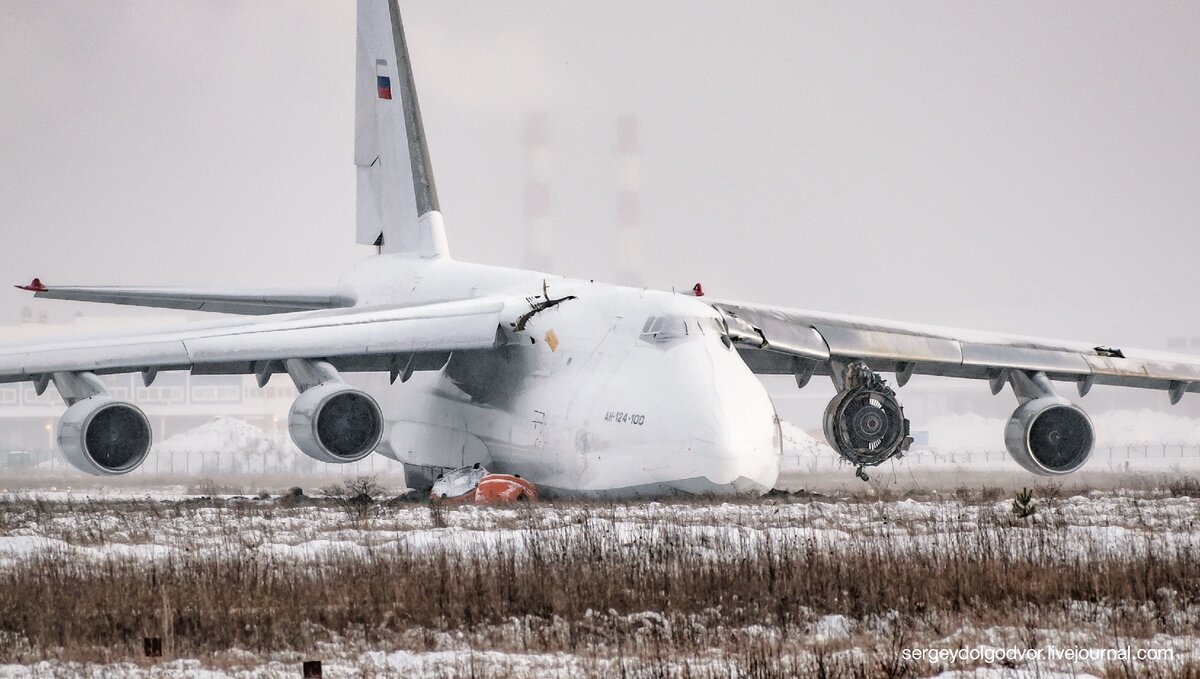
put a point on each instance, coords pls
(397, 200)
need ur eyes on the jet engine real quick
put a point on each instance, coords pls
(104, 437)
(334, 422)
(1049, 436)
(865, 423)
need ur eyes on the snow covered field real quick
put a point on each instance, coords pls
(775, 587)
(100, 529)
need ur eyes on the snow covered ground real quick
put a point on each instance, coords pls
(94, 524)
(97, 529)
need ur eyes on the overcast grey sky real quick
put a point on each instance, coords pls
(1022, 167)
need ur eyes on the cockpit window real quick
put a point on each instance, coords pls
(666, 328)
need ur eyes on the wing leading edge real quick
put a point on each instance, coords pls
(776, 340)
(368, 339)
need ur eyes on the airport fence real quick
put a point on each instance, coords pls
(288, 461)
(1115, 457)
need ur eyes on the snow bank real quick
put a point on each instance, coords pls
(965, 432)
(224, 444)
(801, 451)
(1126, 427)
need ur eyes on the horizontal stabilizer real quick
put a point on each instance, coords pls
(243, 302)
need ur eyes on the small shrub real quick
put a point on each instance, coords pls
(356, 496)
(1184, 486)
(990, 493)
(437, 515)
(1022, 506)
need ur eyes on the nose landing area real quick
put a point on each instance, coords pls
(741, 485)
(736, 442)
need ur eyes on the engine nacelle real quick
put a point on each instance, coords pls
(336, 423)
(1049, 436)
(104, 437)
(864, 422)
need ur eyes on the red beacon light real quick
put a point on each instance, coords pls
(34, 286)
(698, 290)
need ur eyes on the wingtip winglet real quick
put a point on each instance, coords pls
(35, 285)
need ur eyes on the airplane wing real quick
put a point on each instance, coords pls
(776, 340)
(359, 339)
(244, 302)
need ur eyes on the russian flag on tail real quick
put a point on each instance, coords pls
(382, 82)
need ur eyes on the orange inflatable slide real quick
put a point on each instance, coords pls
(476, 484)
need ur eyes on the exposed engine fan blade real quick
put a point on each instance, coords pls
(864, 422)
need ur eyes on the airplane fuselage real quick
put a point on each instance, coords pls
(611, 391)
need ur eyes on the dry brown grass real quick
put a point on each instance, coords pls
(669, 596)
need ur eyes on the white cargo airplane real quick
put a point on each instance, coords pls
(581, 387)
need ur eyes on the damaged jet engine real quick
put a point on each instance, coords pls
(865, 423)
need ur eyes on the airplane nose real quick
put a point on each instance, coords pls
(739, 444)
(735, 442)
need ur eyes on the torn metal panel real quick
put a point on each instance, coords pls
(537, 306)
(743, 332)
(773, 329)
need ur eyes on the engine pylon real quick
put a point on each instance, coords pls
(865, 423)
